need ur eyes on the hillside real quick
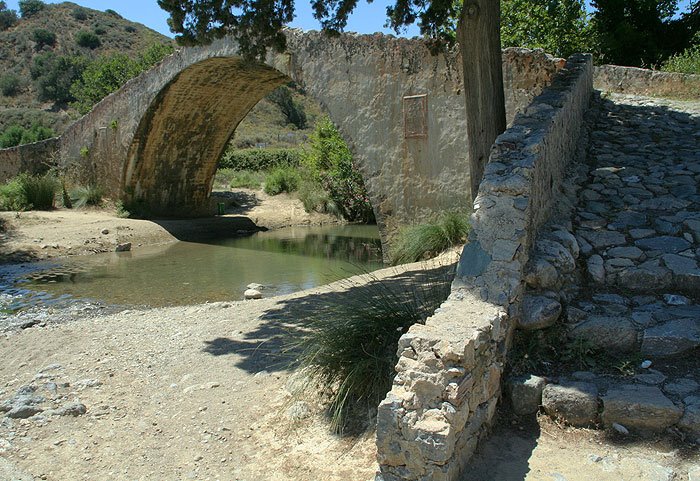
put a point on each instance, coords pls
(18, 49)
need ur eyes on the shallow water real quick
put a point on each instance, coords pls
(284, 261)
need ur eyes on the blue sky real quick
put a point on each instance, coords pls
(367, 18)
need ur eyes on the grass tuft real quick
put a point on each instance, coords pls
(87, 195)
(422, 241)
(282, 179)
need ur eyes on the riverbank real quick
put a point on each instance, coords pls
(36, 235)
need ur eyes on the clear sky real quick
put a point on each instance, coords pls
(367, 18)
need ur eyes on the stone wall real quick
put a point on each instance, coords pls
(639, 81)
(33, 158)
(449, 371)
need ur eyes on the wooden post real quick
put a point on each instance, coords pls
(479, 40)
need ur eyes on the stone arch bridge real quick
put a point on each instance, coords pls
(158, 139)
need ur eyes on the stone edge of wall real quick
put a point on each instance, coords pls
(448, 380)
(639, 81)
(23, 158)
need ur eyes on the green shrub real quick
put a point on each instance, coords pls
(350, 349)
(79, 14)
(259, 159)
(88, 195)
(282, 179)
(292, 110)
(113, 13)
(426, 240)
(27, 8)
(330, 163)
(54, 75)
(315, 198)
(11, 195)
(687, 61)
(99, 30)
(10, 84)
(7, 17)
(43, 37)
(130, 29)
(87, 39)
(18, 135)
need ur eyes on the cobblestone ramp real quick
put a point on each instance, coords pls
(638, 226)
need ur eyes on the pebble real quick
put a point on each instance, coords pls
(620, 429)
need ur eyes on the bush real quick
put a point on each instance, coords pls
(79, 14)
(246, 179)
(130, 29)
(329, 162)
(350, 351)
(88, 195)
(293, 111)
(7, 17)
(27, 8)
(55, 74)
(26, 192)
(259, 159)
(687, 61)
(426, 240)
(113, 13)
(315, 198)
(9, 85)
(282, 179)
(11, 195)
(43, 37)
(18, 135)
(99, 30)
(87, 39)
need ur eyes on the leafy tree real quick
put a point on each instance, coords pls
(43, 37)
(7, 17)
(257, 25)
(27, 8)
(80, 14)
(54, 75)
(107, 74)
(293, 111)
(87, 39)
(10, 84)
(560, 27)
(640, 32)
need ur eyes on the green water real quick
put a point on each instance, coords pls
(284, 261)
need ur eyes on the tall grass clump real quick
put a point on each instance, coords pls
(350, 349)
(426, 240)
(283, 178)
(37, 192)
(87, 195)
(246, 179)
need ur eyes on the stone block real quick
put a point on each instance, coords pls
(539, 312)
(606, 332)
(640, 408)
(671, 338)
(690, 421)
(525, 393)
(575, 403)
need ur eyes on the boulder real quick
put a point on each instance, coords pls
(690, 421)
(640, 408)
(671, 338)
(525, 393)
(252, 294)
(539, 312)
(575, 403)
(606, 332)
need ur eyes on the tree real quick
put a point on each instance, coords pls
(10, 84)
(27, 8)
(87, 39)
(53, 75)
(43, 37)
(258, 24)
(560, 27)
(7, 17)
(292, 110)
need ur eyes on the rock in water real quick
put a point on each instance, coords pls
(125, 247)
(252, 294)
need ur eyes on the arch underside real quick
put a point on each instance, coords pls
(173, 158)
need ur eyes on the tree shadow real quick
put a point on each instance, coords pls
(271, 346)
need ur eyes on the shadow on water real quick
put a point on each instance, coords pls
(270, 346)
(208, 228)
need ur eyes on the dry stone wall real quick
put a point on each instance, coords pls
(449, 371)
(33, 158)
(639, 81)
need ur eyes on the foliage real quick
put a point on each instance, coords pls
(292, 110)
(99, 30)
(26, 192)
(86, 195)
(641, 33)
(283, 178)
(687, 61)
(350, 350)
(113, 13)
(54, 75)
(9, 84)
(107, 74)
(18, 135)
(246, 179)
(329, 161)
(258, 25)
(122, 212)
(559, 27)
(315, 198)
(43, 37)
(426, 240)
(79, 14)
(27, 8)
(258, 159)
(87, 39)
(7, 17)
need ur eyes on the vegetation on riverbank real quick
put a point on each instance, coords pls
(421, 241)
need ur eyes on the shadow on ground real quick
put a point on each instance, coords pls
(8, 256)
(270, 347)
